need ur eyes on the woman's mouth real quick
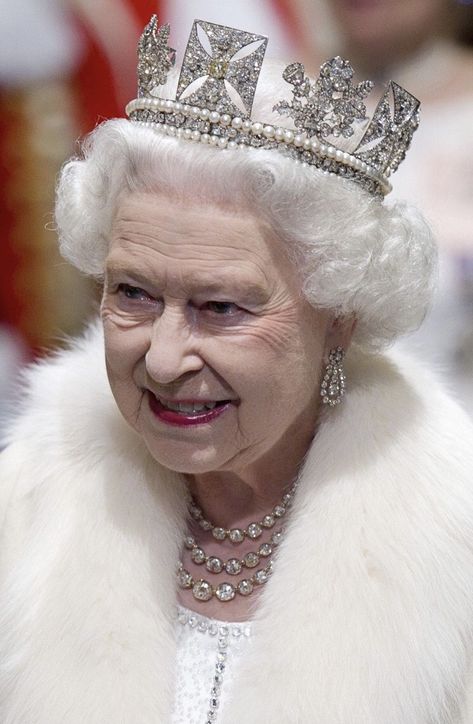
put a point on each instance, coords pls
(186, 412)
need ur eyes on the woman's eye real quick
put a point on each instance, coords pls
(134, 293)
(222, 308)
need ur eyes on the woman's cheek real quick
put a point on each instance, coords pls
(115, 316)
(270, 337)
(125, 347)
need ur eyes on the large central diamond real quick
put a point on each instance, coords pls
(218, 68)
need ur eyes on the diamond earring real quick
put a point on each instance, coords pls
(333, 383)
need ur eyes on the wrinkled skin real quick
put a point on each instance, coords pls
(203, 303)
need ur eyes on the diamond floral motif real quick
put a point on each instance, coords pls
(331, 105)
(155, 57)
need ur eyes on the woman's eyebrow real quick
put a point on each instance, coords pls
(197, 283)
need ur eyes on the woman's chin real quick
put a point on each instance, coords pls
(187, 458)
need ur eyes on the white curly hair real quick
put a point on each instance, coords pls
(356, 255)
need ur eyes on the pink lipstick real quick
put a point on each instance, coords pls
(186, 418)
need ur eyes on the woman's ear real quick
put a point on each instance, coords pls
(340, 332)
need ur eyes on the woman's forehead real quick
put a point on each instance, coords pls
(180, 229)
(155, 236)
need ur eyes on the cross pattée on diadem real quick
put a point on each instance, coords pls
(224, 77)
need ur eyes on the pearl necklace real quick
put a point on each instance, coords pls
(203, 590)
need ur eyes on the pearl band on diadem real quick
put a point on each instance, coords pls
(322, 112)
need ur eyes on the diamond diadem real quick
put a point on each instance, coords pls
(330, 129)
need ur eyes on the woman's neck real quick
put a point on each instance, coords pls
(233, 498)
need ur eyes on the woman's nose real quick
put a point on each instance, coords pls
(172, 352)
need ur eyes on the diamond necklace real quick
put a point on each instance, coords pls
(254, 530)
(203, 590)
(232, 566)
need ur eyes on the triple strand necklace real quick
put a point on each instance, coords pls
(260, 559)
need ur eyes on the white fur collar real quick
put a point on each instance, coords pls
(367, 620)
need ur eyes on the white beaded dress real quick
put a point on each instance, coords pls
(209, 653)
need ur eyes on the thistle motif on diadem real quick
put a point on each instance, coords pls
(155, 57)
(329, 106)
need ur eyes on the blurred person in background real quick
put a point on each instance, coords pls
(39, 52)
(64, 65)
(416, 42)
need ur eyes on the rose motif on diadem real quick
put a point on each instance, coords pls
(329, 106)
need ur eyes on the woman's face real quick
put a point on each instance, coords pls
(202, 309)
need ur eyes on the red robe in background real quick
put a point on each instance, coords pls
(40, 296)
(95, 81)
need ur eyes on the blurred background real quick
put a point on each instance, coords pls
(66, 65)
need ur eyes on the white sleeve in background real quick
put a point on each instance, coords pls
(38, 41)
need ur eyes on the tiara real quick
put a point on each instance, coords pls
(216, 90)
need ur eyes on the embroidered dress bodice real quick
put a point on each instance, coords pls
(209, 652)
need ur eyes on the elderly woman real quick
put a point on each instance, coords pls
(322, 541)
